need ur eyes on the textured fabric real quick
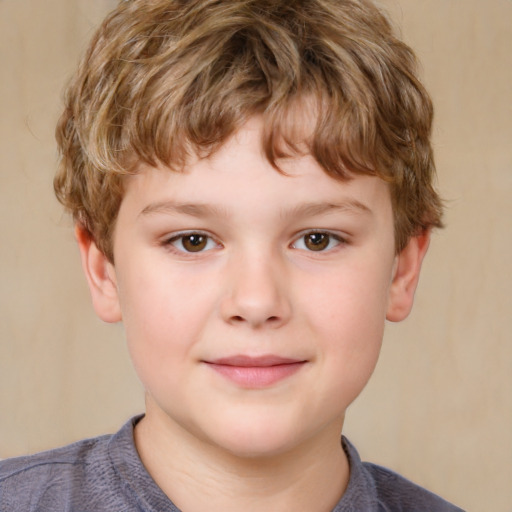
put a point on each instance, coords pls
(106, 474)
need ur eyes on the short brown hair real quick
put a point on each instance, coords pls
(163, 79)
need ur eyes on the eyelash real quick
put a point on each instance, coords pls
(340, 240)
(173, 241)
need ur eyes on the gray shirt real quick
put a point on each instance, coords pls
(105, 474)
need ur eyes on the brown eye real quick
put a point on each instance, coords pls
(316, 241)
(194, 243)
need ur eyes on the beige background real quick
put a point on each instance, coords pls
(439, 408)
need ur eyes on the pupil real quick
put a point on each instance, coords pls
(195, 239)
(317, 238)
(317, 241)
(194, 243)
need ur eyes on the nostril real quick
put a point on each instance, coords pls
(241, 319)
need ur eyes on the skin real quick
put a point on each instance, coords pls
(256, 288)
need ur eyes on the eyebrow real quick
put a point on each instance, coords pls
(192, 209)
(312, 209)
(302, 210)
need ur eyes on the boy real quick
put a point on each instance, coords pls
(251, 182)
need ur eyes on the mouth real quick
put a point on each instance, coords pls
(255, 372)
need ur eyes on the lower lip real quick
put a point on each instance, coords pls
(254, 377)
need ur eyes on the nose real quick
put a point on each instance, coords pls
(257, 294)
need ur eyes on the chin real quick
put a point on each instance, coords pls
(244, 449)
(254, 441)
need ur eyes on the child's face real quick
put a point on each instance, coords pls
(253, 302)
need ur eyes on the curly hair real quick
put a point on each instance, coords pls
(165, 79)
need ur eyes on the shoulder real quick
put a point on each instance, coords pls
(35, 481)
(383, 490)
(80, 453)
(394, 492)
(87, 475)
(103, 474)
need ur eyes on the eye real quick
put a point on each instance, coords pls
(192, 242)
(317, 241)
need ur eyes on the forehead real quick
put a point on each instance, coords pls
(239, 177)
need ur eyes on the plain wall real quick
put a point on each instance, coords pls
(439, 407)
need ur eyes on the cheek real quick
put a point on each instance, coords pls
(164, 315)
(348, 318)
(353, 298)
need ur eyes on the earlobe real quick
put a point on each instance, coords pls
(405, 277)
(100, 275)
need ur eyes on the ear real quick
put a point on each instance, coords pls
(101, 277)
(405, 277)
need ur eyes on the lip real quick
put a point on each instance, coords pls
(255, 372)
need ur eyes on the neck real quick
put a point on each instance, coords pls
(197, 476)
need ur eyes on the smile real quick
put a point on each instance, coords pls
(255, 372)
